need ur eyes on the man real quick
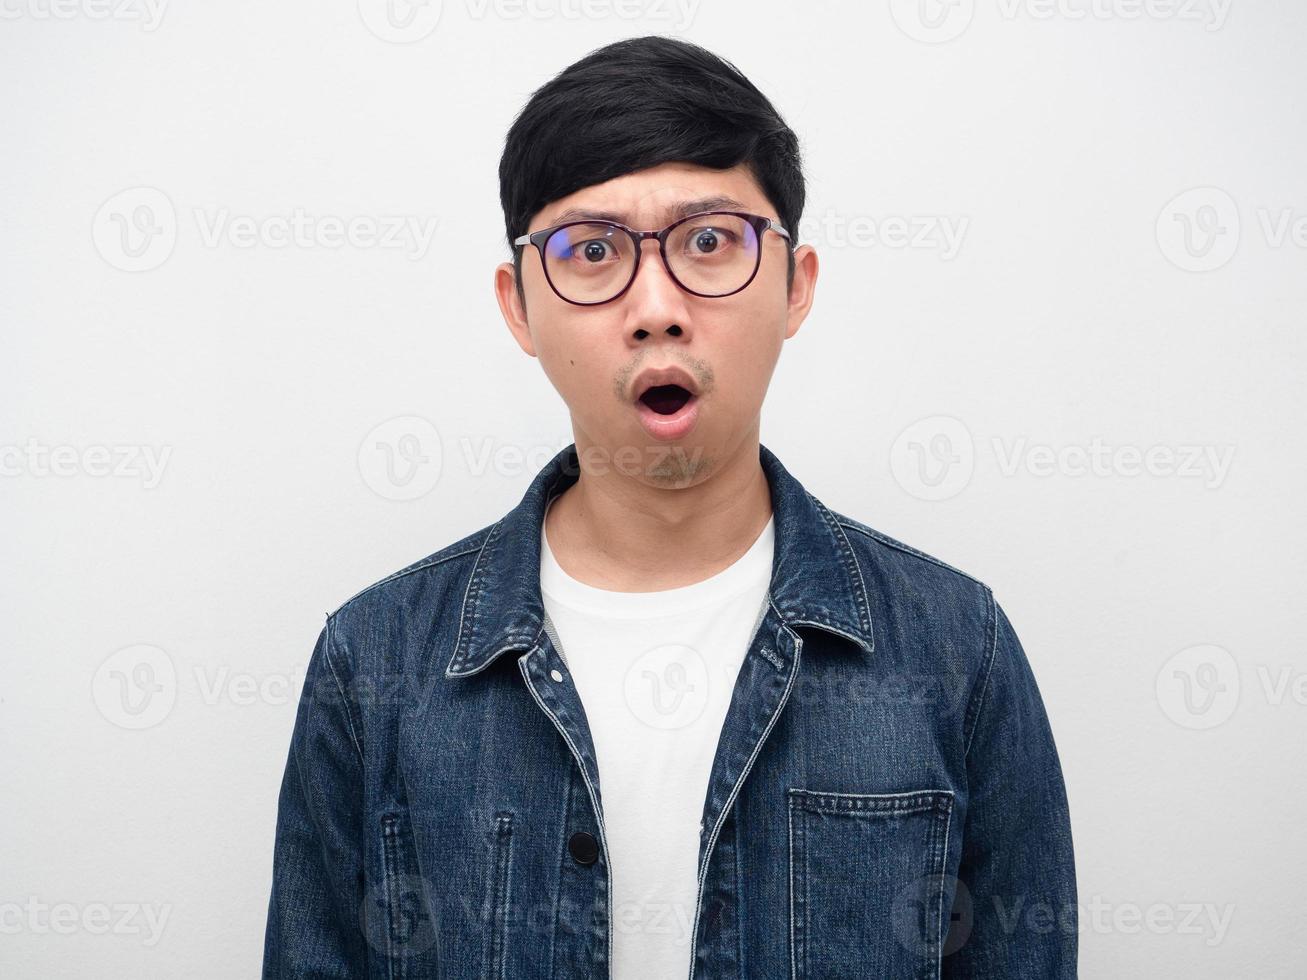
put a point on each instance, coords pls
(671, 716)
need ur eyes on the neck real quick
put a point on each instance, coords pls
(615, 531)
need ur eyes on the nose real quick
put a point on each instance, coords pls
(654, 303)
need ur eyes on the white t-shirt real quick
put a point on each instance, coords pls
(655, 672)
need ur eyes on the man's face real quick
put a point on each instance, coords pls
(595, 355)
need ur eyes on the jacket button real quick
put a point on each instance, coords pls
(584, 848)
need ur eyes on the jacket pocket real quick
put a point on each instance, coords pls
(867, 883)
(409, 928)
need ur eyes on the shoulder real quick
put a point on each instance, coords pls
(919, 598)
(933, 616)
(893, 559)
(421, 580)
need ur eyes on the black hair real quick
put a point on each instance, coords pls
(637, 103)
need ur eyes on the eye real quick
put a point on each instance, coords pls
(584, 245)
(595, 249)
(709, 240)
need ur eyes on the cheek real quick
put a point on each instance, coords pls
(749, 359)
(570, 363)
(757, 331)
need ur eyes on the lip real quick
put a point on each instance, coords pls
(667, 428)
(673, 375)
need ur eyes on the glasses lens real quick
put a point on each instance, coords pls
(589, 263)
(713, 254)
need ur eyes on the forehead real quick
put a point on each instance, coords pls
(659, 195)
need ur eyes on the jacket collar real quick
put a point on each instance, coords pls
(816, 579)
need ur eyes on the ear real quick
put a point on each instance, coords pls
(802, 289)
(512, 307)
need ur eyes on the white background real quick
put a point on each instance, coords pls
(945, 395)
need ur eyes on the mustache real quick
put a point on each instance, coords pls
(698, 368)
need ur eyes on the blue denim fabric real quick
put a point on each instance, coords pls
(886, 799)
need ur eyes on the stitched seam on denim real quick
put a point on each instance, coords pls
(391, 873)
(853, 525)
(562, 862)
(500, 889)
(471, 592)
(767, 654)
(349, 713)
(594, 804)
(934, 873)
(872, 804)
(513, 641)
(933, 801)
(807, 936)
(939, 919)
(851, 566)
(741, 966)
(777, 661)
(789, 823)
(978, 697)
(425, 563)
(730, 799)
(765, 651)
(762, 614)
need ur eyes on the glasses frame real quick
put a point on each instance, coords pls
(759, 223)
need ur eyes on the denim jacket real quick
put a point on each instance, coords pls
(886, 800)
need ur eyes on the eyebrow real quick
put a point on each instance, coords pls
(685, 208)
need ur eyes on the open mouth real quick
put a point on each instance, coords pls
(666, 399)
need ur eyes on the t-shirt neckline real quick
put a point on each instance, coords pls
(740, 576)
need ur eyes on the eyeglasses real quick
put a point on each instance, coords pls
(712, 253)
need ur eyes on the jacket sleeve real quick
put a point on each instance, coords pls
(315, 912)
(1014, 910)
